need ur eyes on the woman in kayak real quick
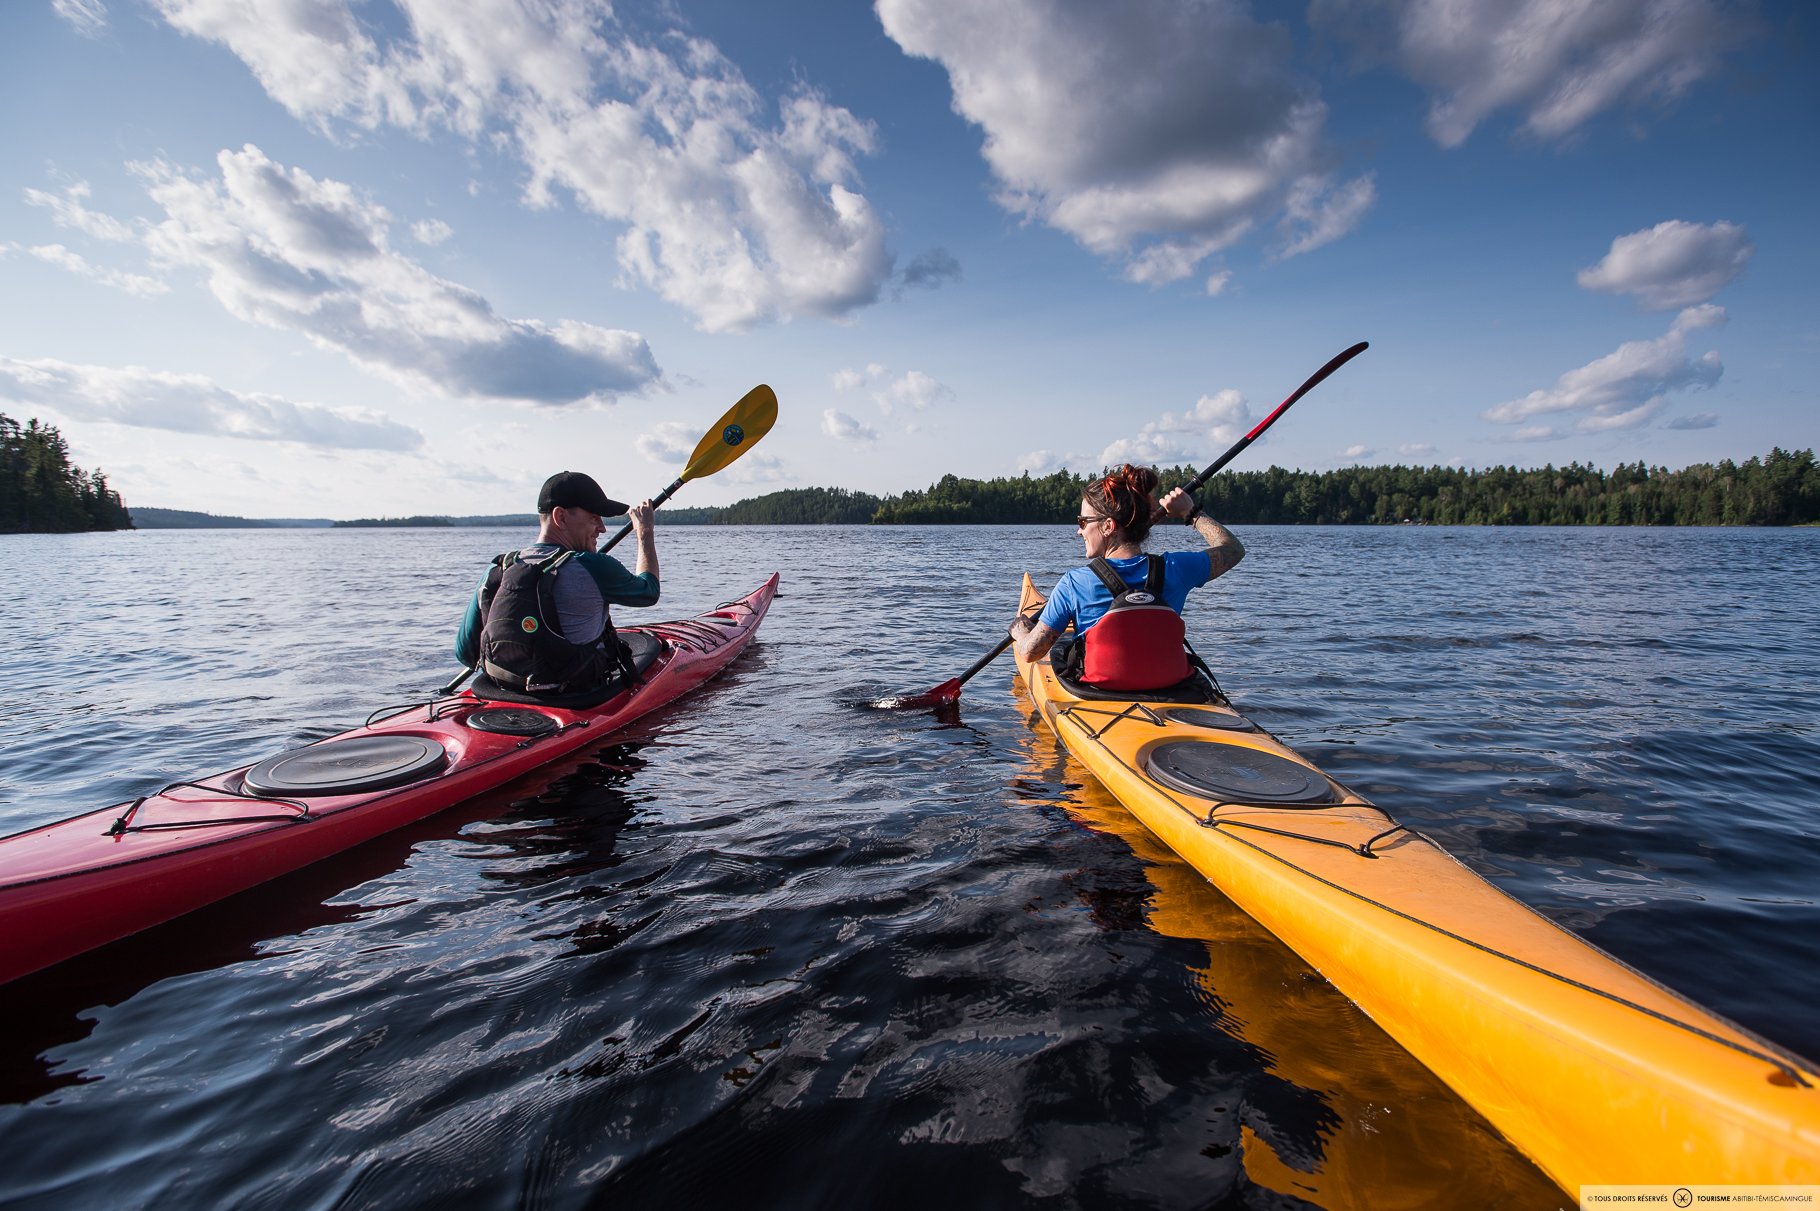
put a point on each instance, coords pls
(1141, 649)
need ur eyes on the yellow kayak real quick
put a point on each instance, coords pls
(1594, 1071)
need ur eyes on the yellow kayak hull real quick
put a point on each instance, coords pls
(1594, 1071)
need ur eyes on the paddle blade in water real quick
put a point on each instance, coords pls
(946, 693)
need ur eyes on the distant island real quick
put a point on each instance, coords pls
(1781, 489)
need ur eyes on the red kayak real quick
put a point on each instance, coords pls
(69, 887)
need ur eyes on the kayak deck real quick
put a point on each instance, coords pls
(1596, 1072)
(76, 884)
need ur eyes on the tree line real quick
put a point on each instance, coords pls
(1782, 489)
(42, 492)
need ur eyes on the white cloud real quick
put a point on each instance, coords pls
(847, 379)
(1174, 437)
(288, 251)
(1354, 453)
(841, 427)
(731, 213)
(757, 468)
(1151, 130)
(70, 210)
(1559, 62)
(1700, 420)
(913, 390)
(1672, 264)
(86, 17)
(1531, 433)
(191, 403)
(431, 231)
(1624, 388)
(1319, 212)
(1416, 449)
(1042, 462)
(670, 442)
(930, 270)
(131, 283)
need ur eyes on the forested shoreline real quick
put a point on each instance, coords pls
(1782, 489)
(42, 492)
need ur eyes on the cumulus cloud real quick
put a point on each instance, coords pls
(286, 250)
(1558, 62)
(1153, 131)
(431, 231)
(671, 442)
(913, 391)
(930, 270)
(76, 263)
(86, 17)
(758, 468)
(1672, 264)
(1319, 212)
(70, 209)
(1042, 462)
(847, 379)
(1176, 437)
(190, 403)
(841, 427)
(735, 210)
(1355, 453)
(1625, 388)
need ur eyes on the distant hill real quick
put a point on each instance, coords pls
(184, 519)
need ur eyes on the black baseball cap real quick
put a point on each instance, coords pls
(573, 490)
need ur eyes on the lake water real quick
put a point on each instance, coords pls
(774, 949)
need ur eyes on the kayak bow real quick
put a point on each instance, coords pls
(1596, 1072)
(68, 887)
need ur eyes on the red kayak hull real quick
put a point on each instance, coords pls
(69, 887)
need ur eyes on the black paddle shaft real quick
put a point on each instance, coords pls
(656, 501)
(951, 689)
(1314, 380)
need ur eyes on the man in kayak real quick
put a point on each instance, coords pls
(540, 622)
(1126, 606)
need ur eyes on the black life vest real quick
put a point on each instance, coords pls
(522, 647)
(1139, 643)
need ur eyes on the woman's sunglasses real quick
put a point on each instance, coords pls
(1081, 523)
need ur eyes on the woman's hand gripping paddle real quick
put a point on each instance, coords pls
(732, 435)
(950, 691)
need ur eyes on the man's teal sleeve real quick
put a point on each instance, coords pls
(467, 639)
(618, 586)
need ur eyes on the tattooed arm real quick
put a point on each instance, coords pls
(1032, 639)
(1224, 550)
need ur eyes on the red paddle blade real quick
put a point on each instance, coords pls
(947, 692)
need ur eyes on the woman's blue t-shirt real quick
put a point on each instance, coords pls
(1081, 599)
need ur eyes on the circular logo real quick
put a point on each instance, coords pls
(1684, 1197)
(1139, 598)
(528, 625)
(733, 435)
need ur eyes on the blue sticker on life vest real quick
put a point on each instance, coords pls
(733, 435)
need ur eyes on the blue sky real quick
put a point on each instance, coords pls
(342, 258)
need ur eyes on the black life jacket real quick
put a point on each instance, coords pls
(1139, 643)
(522, 647)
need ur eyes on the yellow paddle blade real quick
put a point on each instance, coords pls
(735, 433)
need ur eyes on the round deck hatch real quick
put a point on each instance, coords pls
(1233, 774)
(346, 767)
(512, 721)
